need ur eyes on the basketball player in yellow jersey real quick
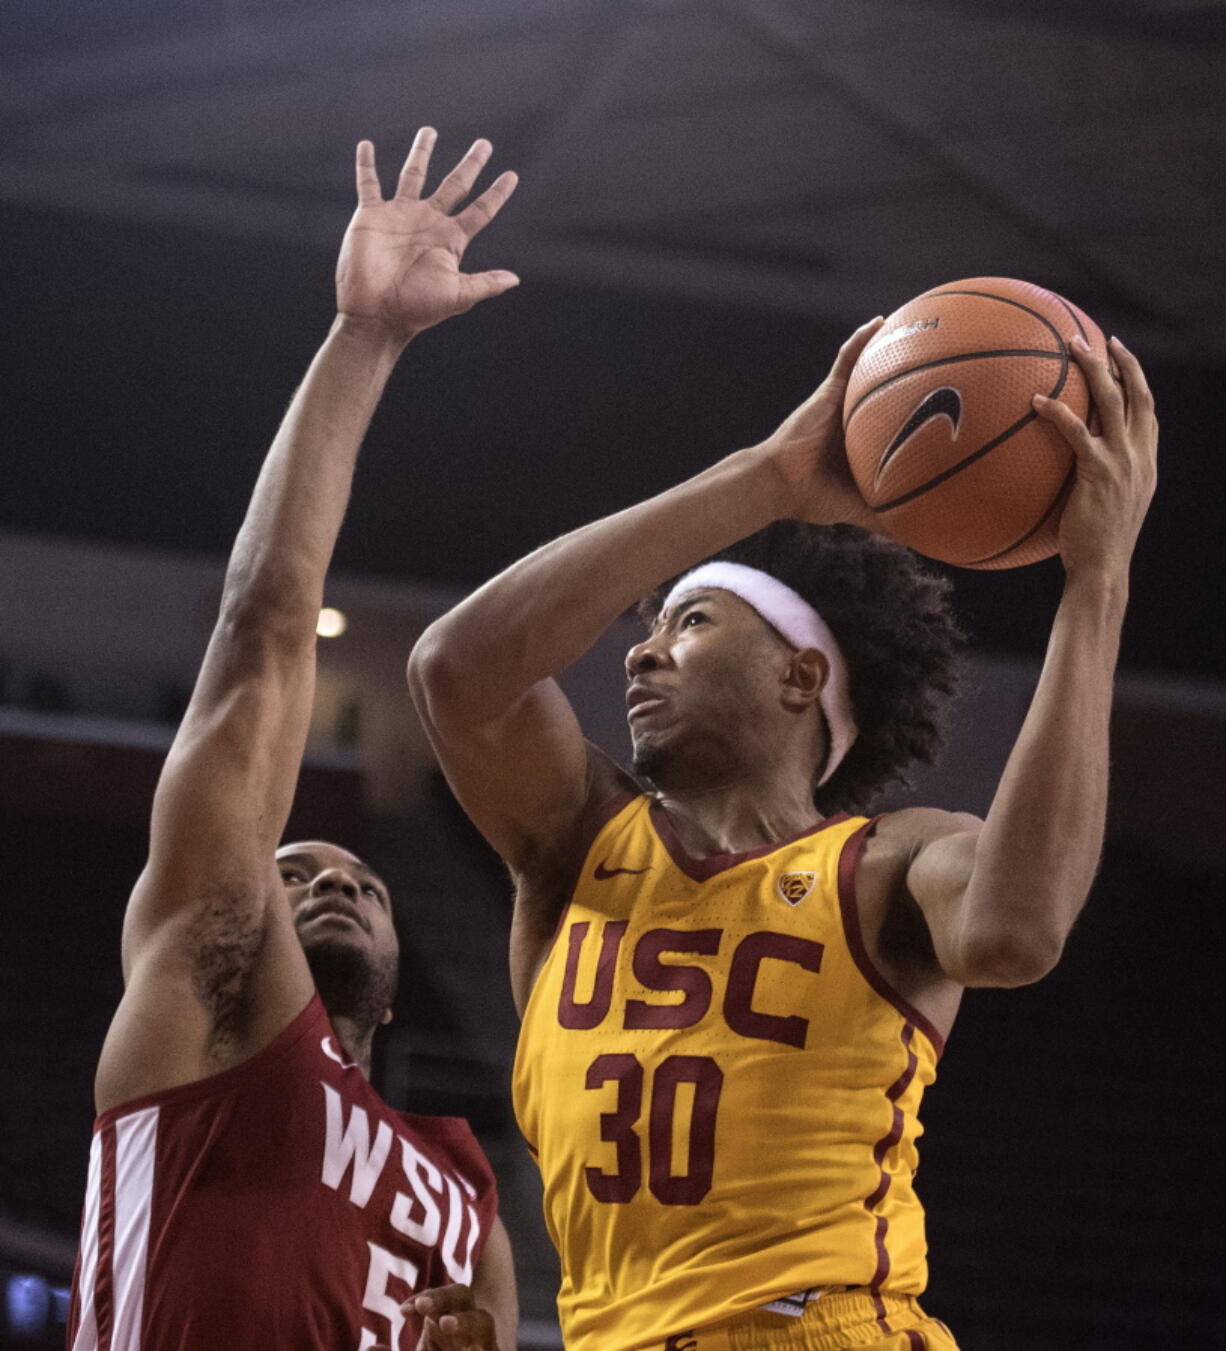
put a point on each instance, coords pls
(734, 984)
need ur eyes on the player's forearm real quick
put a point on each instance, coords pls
(281, 555)
(494, 1287)
(1037, 854)
(229, 778)
(543, 613)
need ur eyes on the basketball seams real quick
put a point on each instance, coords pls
(1061, 346)
(1017, 304)
(1061, 492)
(983, 450)
(972, 540)
(949, 361)
(1073, 315)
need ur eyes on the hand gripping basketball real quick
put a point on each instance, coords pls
(1116, 469)
(807, 447)
(943, 438)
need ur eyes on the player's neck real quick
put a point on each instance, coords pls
(735, 817)
(355, 1041)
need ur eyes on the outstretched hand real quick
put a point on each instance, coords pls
(399, 265)
(807, 448)
(1116, 469)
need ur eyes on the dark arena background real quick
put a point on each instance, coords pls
(712, 196)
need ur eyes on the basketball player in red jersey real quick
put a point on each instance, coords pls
(732, 991)
(247, 1186)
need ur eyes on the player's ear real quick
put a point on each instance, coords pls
(385, 1017)
(804, 678)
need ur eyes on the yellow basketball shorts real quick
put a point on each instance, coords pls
(841, 1320)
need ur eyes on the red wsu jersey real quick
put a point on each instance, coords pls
(280, 1203)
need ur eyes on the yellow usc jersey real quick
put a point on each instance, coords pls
(720, 1090)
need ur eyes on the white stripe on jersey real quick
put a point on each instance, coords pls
(135, 1157)
(87, 1329)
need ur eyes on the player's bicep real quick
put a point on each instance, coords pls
(227, 785)
(938, 878)
(523, 777)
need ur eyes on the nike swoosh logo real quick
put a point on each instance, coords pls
(602, 874)
(945, 402)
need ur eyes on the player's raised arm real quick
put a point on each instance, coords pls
(212, 968)
(1000, 899)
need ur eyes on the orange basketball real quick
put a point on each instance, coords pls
(941, 435)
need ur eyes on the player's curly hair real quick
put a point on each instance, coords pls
(893, 619)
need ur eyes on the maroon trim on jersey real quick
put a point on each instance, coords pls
(293, 1032)
(703, 869)
(916, 1341)
(850, 910)
(104, 1271)
(883, 1146)
(903, 1082)
(878, 1302)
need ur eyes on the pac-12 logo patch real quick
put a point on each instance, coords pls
(794, 887)
(681, 1341)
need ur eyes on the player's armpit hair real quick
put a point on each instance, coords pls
(894, 622)
(225, 939)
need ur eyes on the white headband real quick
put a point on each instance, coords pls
(798, 622)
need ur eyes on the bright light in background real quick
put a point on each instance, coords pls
(28, 1304)
(331, 623)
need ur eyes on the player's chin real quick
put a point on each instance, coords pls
(651, 755)
(340, 938)
(339, 957)
(353, 980)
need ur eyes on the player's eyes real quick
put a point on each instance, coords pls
(292, 877)
(692, 617)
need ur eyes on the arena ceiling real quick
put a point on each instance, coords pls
(712, 193)
(800, 156)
